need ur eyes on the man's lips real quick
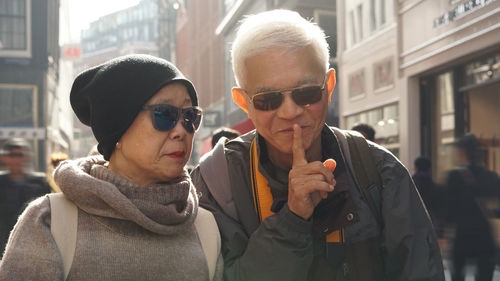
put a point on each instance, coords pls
(290, 129)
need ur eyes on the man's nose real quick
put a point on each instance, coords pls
(289, 109)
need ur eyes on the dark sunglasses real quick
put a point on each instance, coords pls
(165, 117)
(16, 154)
(271, 100)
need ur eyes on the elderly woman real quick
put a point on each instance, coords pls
(136, 207)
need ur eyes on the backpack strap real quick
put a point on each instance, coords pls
(365, 171)
(63, 226)
(214, 170)
(208, 232)
(64, 223)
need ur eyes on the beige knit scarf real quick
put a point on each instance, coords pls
(163, 208)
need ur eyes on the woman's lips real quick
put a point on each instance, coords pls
(177, 154)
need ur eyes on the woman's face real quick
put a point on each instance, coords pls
(145, 155)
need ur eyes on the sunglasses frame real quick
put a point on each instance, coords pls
(16, 155)
(152, 108)
(289, 91)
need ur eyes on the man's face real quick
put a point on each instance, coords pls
(277, 69)
(16, 159)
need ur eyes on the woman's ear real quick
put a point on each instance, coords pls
(239, 98)
(330, 83)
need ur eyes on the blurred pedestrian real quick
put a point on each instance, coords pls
(228, 133)
(468, 185)
(429, 192)
(366, 130)
(18, 185)
(137, 210)
(424, 182)
(55, 159)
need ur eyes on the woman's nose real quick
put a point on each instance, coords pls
(178, 131)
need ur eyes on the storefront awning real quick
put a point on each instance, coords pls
(244, 126)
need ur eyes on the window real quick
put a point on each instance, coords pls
(440, 127)
(383, 76)
(443, 122)
(445, 90)
(353, 28)
(15, 28)
(377, 14)
(385, 121)
(357, 84)
(382, 12)
(17, 108)
(373, 16)
(360, 21)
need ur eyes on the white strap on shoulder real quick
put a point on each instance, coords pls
(63, 226)
(208, 232)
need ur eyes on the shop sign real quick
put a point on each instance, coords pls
(26, 133)
(460, 11)
(211, 119)
(483, 70)
(72, 51)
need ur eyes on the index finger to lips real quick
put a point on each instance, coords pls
(299, 155)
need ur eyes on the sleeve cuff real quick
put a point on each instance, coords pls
(295, 222)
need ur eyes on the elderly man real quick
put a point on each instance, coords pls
(17, 185)
(282, 214)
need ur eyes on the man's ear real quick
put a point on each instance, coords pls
(239, 98)
(330, 83)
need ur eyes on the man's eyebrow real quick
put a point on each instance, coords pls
(304, 81)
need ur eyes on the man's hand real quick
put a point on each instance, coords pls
(308, 183)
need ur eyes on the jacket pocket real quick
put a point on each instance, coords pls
(363, 261)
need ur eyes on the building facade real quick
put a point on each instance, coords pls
(200, 58)
(146, 28)
(369, 88)
(29, 55)
(128, 31)
(449, 62)
(423, 73)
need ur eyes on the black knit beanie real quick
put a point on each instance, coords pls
(108, 97)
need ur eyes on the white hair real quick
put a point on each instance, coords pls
(276, 29)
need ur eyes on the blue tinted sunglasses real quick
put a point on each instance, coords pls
(165, 117)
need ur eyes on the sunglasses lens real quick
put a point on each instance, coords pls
(165, 117)
(307, 95)
(16, 154)
(192, 119)
(267, 101)
(301, 96)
